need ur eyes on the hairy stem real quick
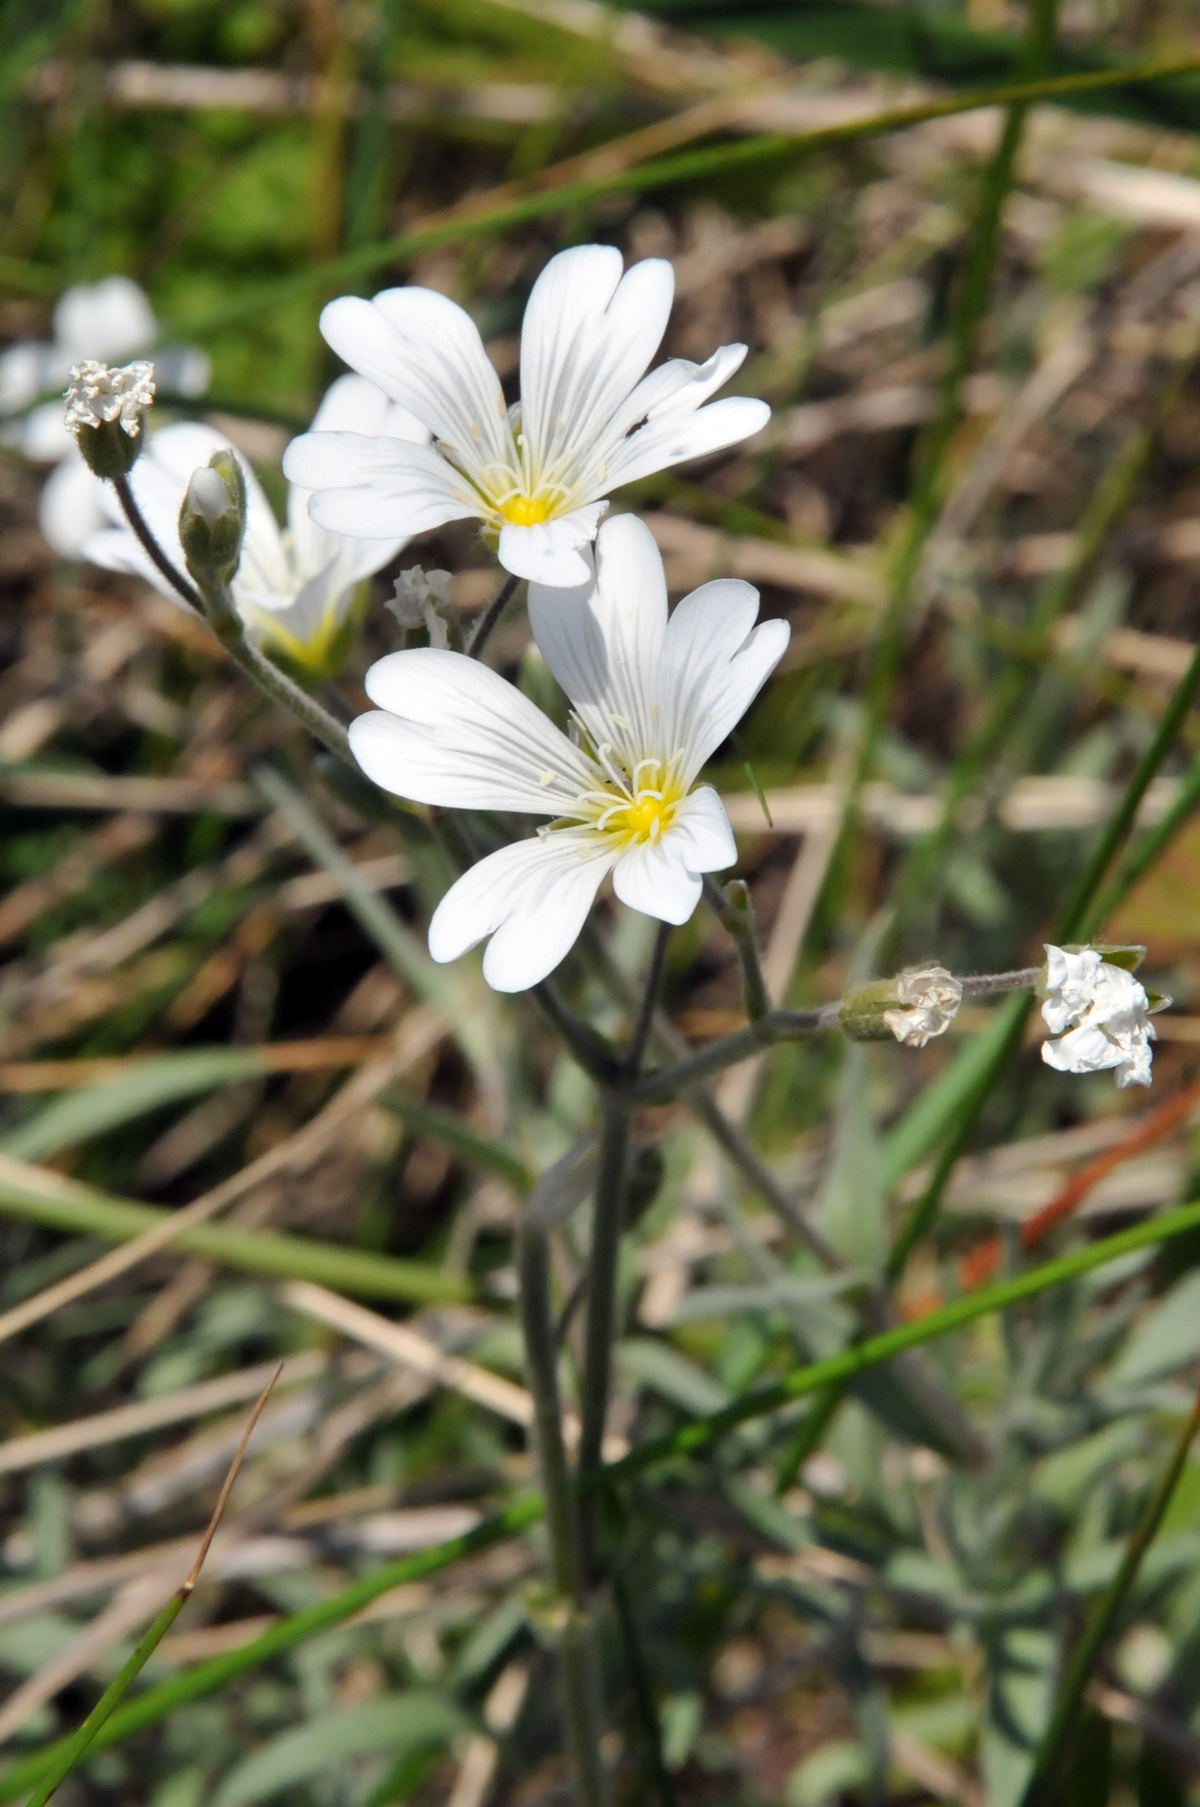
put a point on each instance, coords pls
(608, 1220)
(151, 547)
(216, 605)
(490, 619)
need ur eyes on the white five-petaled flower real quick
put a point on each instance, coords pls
(652, 700)
(295, 589)
(110, 321)
(97, 393)
(1099, 1015)
(537, 474)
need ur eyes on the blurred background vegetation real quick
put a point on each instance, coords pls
(978, 505)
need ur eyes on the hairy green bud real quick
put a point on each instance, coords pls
(212, 520)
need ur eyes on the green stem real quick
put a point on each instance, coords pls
(490, 619)
(734, 909)
(151, 547)
(636, 1052)
(216, 605)
(541, 1370)
(578, 1657)
(608, 1221)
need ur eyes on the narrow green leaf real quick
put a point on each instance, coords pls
(450, 1132)
(79, 1742)
(34, 1193)
(395, 1723)
(1086, 1655)
(75, 1116)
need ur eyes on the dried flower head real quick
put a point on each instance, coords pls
(422, 599)
(930, 997)
(97, 394)
(1100, 1016)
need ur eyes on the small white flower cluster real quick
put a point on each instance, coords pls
(930, 997)
(1098, 1015)
(96, 394)
(111, 321)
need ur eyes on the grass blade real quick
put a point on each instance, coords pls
(44, 1197)
(79, 1743)
(1069, 1705)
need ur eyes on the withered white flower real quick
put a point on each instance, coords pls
(98, 393)
(537, 474)
(109, 320)
(1100, 1016)
(422, 599)
(653, 699)
(930, 997)
(295, 588)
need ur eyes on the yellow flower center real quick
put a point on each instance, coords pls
(528, 511)
(645, 818)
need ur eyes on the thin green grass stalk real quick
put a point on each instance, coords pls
(700, 1432)
(971, 304)
(39, 1196)
(1069, 1704)
(76, 1747)
(160, 1701)
(1153, 844)
(80, 1742)
(694, 1434)
(1113, 496)
(662, 172)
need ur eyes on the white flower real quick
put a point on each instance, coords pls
(96, 393)
(538, 474)
(653, 699)
(107, 320)
(930, 997)
(295, 589)
(1104, 1012)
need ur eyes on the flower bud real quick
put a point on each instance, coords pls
(104, 412)
(212, 520)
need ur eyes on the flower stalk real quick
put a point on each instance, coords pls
(214, 601)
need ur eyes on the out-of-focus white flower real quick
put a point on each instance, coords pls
(421, 599)
(930, 997)
(295, 588)
(537, 474)
(1100, 1015)
(108, 321)
(97, 393)
(653, 699)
